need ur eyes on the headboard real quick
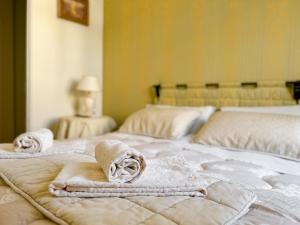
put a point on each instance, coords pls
(271, 93)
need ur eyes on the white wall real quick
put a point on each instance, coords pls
(59, 54)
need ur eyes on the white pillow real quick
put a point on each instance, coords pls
(272, 133)
(169, 123)
(205, 113)
(286, 110)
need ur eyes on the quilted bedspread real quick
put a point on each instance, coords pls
(244, 188)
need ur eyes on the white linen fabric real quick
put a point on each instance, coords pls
(73, 127)
(7, 151)
(168, 123)
(160, 179)
(214, 208)
(15, 210)
(271, 133)
(286, 110)
(205, 113)
(33, 142)
(119, 162)
(274, 181)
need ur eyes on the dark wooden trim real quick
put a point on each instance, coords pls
(157, 88)
(295, 85)
(7, 121)
(181, 86)
(249, 84)
(212, 85)
(20, 14)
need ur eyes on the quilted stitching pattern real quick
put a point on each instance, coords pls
(270, 187)
(136, 210)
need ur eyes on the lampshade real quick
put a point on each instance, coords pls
(88, 83)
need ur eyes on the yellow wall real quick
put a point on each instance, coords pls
(152, 41)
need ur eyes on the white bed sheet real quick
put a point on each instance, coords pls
(275, 180)
(152, 147)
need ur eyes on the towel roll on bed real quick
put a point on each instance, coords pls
(120, 163)
(33, 142)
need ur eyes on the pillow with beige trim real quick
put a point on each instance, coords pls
(168, 123)
(206, 112)
(271, 133)
(286, 110)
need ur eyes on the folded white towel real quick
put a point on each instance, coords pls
(162, 177)
(120, 163)
(34, 142)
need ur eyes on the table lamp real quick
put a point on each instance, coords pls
(88, 86)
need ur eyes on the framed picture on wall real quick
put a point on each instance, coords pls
(74, 10)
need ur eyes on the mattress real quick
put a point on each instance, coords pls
(275, 181)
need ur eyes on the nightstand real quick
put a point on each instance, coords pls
(79, 127)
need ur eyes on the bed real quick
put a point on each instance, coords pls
(244, 186)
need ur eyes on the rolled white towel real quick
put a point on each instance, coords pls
(119, 162)
(34, 142)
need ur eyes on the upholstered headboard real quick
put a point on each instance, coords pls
(229, 94)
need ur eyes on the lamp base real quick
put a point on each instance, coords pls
(86, 106)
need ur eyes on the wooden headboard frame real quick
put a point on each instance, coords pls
(229, 94)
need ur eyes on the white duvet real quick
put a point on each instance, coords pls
(273, 183)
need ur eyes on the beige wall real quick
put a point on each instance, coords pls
(59, 53)
(151, 41)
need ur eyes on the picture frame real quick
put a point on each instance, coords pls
(74, 10)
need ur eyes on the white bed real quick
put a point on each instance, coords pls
(243, 186)
(278, 195)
